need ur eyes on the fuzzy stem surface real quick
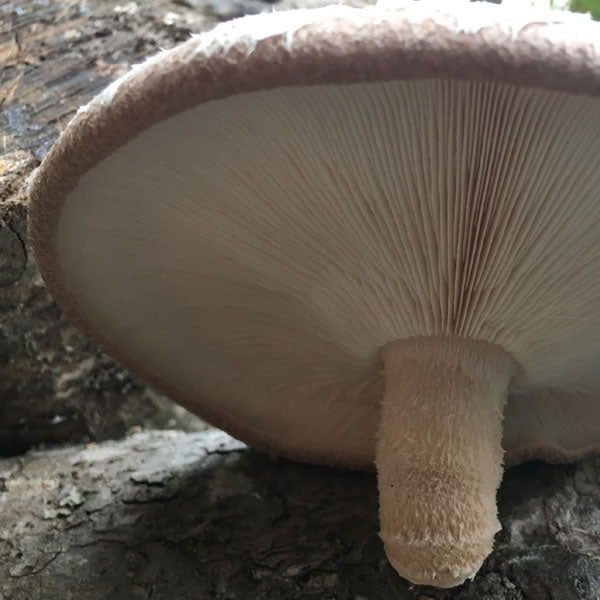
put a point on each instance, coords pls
(439, 455)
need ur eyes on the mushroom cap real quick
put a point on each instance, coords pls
(245, 221)
(554, 425)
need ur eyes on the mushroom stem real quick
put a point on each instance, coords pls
(439, 455)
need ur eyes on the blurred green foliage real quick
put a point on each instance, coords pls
(591, 6)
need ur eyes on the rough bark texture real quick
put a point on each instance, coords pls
(55, 56)
(171, 515)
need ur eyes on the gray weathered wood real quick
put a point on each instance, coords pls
(167, 515)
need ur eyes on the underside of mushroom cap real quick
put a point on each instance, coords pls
(260, 220)
(554, 425)
(258, 251)
(217, 215)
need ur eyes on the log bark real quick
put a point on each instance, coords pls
(166, 515)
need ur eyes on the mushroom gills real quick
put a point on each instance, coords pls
(256, 252)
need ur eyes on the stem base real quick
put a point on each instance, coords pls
(439, 455)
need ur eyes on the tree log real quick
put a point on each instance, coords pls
(166, 515)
